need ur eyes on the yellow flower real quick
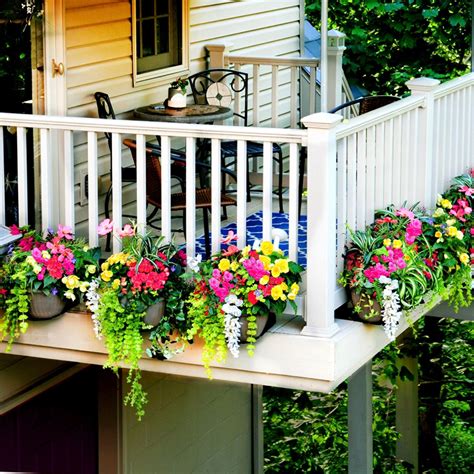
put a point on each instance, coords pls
(30, 260)
(407, 258)
(37, 269)
(91, 269)
(291, 296)
(69, 294)
(446, 203)
(439, 212)
(116, 284)
(234, 266)
(105, 266)
(266, 247)
(71, 281)
(464, 258)
(84, 286)
(246, 251)
(397, 244)
(106, 275)
(266, 261)
(451, 231)
(438, 234)
(277, 292)
(264, 280)
(282, 264)
(224, 264)
(85, 248)
(295, 288)
(459, 235)
(45, 254)
(451, 222)
(387, 242)
(275, 271)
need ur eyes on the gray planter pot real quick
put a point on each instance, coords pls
(370, 312)
(46, 307)
(154, 313)
(261, 326)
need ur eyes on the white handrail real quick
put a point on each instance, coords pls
(271, 60)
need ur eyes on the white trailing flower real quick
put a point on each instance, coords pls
(193, 262)
(232, 324)
(92, 303)
(391, 308)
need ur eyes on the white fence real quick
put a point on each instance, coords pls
(408, 150)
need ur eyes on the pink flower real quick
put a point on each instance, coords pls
(403, 212)
(413, 231)
(14, 230)
(230, 237)
(105, 227)
(65, 232)
(127, 231)
(467, 190)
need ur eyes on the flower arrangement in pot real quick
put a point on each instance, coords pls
(137, 289)
(41, 274)
(235, 291)
(452, 239)
(177, 93)
(391, 266)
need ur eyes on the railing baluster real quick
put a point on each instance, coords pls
(165, 187)
(117, 187)
(312, 90)
(293, 202)
(216, 194)
(256, 101)
(379, 166)
(22, 177)
(190, 196)
(93, 192)
(405, 157)
(47, 194)
(267, 200)
(351, 180)
(69, 179)
(294, 97)
(237, 98)
(361, 180)
(2, 179)
(414, 192)
(141, 183)
(241, 193)
(370, 167)
(274, 96)
(341, 201)
(396, 175)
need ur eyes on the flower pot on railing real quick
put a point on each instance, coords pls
(264, 323)
(368, 308)
(154, 313)
(46, 306)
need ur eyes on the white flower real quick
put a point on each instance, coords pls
(391, 309)
(193, 262)
(232, 299)
(92, 303)
(232, 333)
(384, 280)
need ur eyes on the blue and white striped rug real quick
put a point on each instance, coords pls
(254, 232)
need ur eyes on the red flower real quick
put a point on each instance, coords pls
(252, 298)
(14, 230)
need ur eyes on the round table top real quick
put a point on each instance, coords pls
(190, 114)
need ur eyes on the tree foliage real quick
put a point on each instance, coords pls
(390, 42)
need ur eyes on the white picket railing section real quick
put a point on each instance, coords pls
(406, 151)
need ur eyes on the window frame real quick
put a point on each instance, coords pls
(165, 74)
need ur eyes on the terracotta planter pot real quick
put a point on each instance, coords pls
(46, 307)
(154, 313)
(370, 312)
(264, 323)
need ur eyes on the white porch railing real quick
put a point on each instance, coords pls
(408, 150)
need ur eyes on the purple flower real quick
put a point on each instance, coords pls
(54, 291)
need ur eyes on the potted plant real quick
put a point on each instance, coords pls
(177, 93)
(390, 266)
(235, 291)
(452, 239)
(40, 274)
(136, 290)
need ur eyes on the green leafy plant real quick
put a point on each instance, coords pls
(237, 284)
(146, 273)
(180, 83)
(56, 264)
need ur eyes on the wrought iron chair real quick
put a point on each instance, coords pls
(178, 200)
(220, 87)
(129, 174)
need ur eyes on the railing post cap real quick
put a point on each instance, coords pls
(336, 41)
(321, 120)
(218, 47)
(422, 84)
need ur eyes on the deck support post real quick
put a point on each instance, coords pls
(336, 48)
(257, 429)
(425, 86)
(360, 420)
(407, 410)
(321, 204)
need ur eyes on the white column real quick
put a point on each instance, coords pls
(360, 421)
(323, 64)
(216, 54)
(336, 49)
(321, 205)
(407, 414)
(424, 86)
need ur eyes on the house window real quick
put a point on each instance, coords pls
(160, 37)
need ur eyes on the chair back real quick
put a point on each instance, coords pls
(105, 111)
(367, 103)
(153, 171)
(222, 87)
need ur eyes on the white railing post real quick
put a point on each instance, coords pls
(424, 86)
(336, 48)
(217, 54)
(321, 267)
